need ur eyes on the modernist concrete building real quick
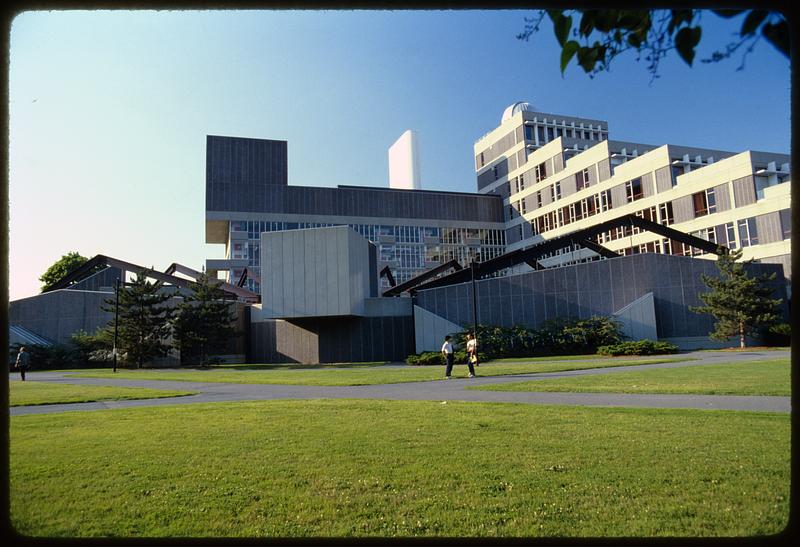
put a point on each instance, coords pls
(559, 173)
(247, 194)
(317, 257)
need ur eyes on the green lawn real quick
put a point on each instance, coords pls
(44, 393)
(399, 468)
(354, 375)
(765, 377)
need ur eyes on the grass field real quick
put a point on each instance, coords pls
(765, 377)
(354, 375)
(399, 468)
(44, 393)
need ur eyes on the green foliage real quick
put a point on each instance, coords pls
(426, 359)
(203, 323)
(57, 356)
(741, 304)
(63, 266)
(602, 34)
(144, 323)
(779, 334)
(638, 347)
(93, 348)
(560, 336)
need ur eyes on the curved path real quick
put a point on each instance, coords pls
(451, 390)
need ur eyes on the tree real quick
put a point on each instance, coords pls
(62, 267)
(203, 322)
(741, 304)
(144, 323)
(653, 33)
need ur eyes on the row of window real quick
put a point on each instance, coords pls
(402, 234)
(573, 212)
(547, 133)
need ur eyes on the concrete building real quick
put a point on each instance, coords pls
(404, 171)
(559, 173)
(247, 194)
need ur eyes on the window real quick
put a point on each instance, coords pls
(665, 212)
(534, 225)
(557, 191)
(633, 190)
(700, 204)
(521, 235)
(539, 198)
(711, 200)
(494, 171)
(704, 203)
(540, 132)
(522, 208)
(540, 171)
(605, 200)
(731, 235)
(582, 179)
(570, 134)
(528, 133)
(748, 235)
(786, 223)
(558, 132)
(549, 134)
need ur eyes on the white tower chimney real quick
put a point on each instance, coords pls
(404, 162)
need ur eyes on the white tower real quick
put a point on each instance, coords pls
(404, 162)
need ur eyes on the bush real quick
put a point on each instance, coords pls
(779, 334)
(425, 359)
(638, 347)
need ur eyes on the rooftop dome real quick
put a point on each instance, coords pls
(514, 108)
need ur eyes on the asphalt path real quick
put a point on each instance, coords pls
(438, 390)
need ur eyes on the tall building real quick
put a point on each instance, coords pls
(556, 174)
(404, 171)
(247, 194)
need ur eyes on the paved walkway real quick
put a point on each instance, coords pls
(439, 390)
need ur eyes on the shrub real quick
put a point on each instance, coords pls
(638, 347)
(425, 359)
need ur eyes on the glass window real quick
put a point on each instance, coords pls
(528, 133)
(633, 190)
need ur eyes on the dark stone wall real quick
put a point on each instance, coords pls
(251, 175)
(594, 288)
(350, 202)
(237, 160)
(332, 340)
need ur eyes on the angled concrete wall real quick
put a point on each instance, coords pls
(315, 272)
(430, 330)
(639, 318)
(594, 288)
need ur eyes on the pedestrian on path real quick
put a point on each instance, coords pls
(472, 350)
(447, 351)
(23, 361)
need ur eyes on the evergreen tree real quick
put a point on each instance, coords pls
(203, 324)
(741, 304)
(144, 323)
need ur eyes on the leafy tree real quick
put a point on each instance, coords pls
(63, 266)
(741, 304)
(144, 323)
(93, 347)
(603, 34)
(203, 323)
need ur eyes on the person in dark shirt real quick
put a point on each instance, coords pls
(23, 361)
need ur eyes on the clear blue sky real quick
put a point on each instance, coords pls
(109, 111)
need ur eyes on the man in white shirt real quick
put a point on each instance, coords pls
(447, 351)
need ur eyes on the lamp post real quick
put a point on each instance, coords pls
(474, 301)
(116, 321)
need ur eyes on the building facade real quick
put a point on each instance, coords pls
(556, 174)
(247, 194)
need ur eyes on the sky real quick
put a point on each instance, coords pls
(109, 111)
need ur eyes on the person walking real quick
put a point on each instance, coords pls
(472, 350)
(23, 361)
(447, 351)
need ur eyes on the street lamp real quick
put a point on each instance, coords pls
(116, 322)
(472, 269)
